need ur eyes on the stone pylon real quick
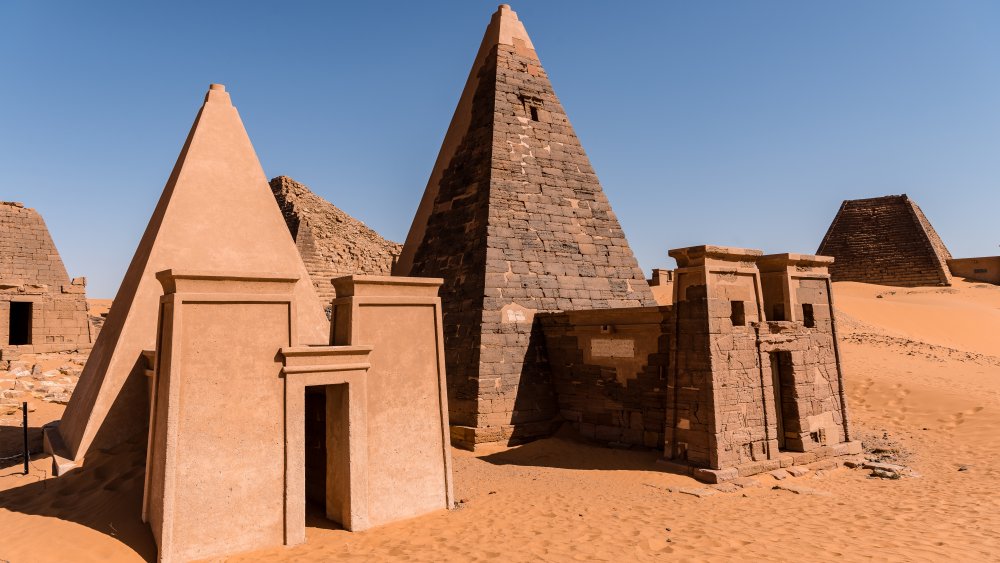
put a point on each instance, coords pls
(885, 240)
(516, 222)
(216, 213)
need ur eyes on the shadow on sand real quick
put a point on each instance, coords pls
(105, 495)
(12, 446)
(567, 450)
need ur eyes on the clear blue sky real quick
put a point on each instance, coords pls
(740, 123)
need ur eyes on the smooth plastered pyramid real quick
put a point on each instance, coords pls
(216, 213)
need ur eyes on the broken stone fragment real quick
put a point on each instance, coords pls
(23, 385)
(726, 487)
(778, 474)
(883, 474)
(797, 471)
(853, 463)
(884, 466)
(700, 493)
(800, 490)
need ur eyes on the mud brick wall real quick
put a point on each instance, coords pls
(885, 240)
(331, 242)
(519, 225)
(609, 368)
(31, 271)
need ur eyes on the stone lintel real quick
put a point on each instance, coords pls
(696, 255)
(201, 281)
(778, 262)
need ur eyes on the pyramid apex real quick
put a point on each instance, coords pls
(217, 93)
(506, 29)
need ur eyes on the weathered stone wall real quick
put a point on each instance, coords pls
(332, 243)
(984, 269)
(32, 272)
(662, 286)
(741, 426)
(885, 240)
(811, 386)
(519, 225)
(726, 390)
(609, 368)
(744, 391)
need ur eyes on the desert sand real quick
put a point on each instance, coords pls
(923, 374)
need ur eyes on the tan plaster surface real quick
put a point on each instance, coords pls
(215, 213)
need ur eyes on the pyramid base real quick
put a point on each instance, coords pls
(474, 439)
(824, 457)
(54, 445)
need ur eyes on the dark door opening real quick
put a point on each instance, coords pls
(786, 409)
(19, 328)
(316, 448)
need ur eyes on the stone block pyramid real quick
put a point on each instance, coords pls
(516, 222)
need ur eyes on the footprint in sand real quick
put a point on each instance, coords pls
(860, 397)
(899, 396)
(958, 418)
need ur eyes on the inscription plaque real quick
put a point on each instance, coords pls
(612, 348)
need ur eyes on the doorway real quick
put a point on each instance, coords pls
(785, 407)
(316, 449)
(327, 456)
(19, 326)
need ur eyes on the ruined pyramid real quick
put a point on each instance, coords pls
(216, 213)
(885, 240)
(514, 219)
(42, 310)
(331, 242)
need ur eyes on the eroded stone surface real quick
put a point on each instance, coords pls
(331, 242)
(885, 240)
(516, 222)
(42, 309)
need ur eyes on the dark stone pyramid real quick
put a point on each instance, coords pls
(515, 221)
(885, 240)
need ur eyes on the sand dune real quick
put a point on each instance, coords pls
(923, 377)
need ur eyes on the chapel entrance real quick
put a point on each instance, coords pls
(316, 449)
(786, 409)
(19, 325)
(326, 454)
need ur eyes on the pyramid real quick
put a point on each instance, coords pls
(332, 243)
(885, 240)
(216, 213)
(514, 219)
(42, 310)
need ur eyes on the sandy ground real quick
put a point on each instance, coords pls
(923, 377)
